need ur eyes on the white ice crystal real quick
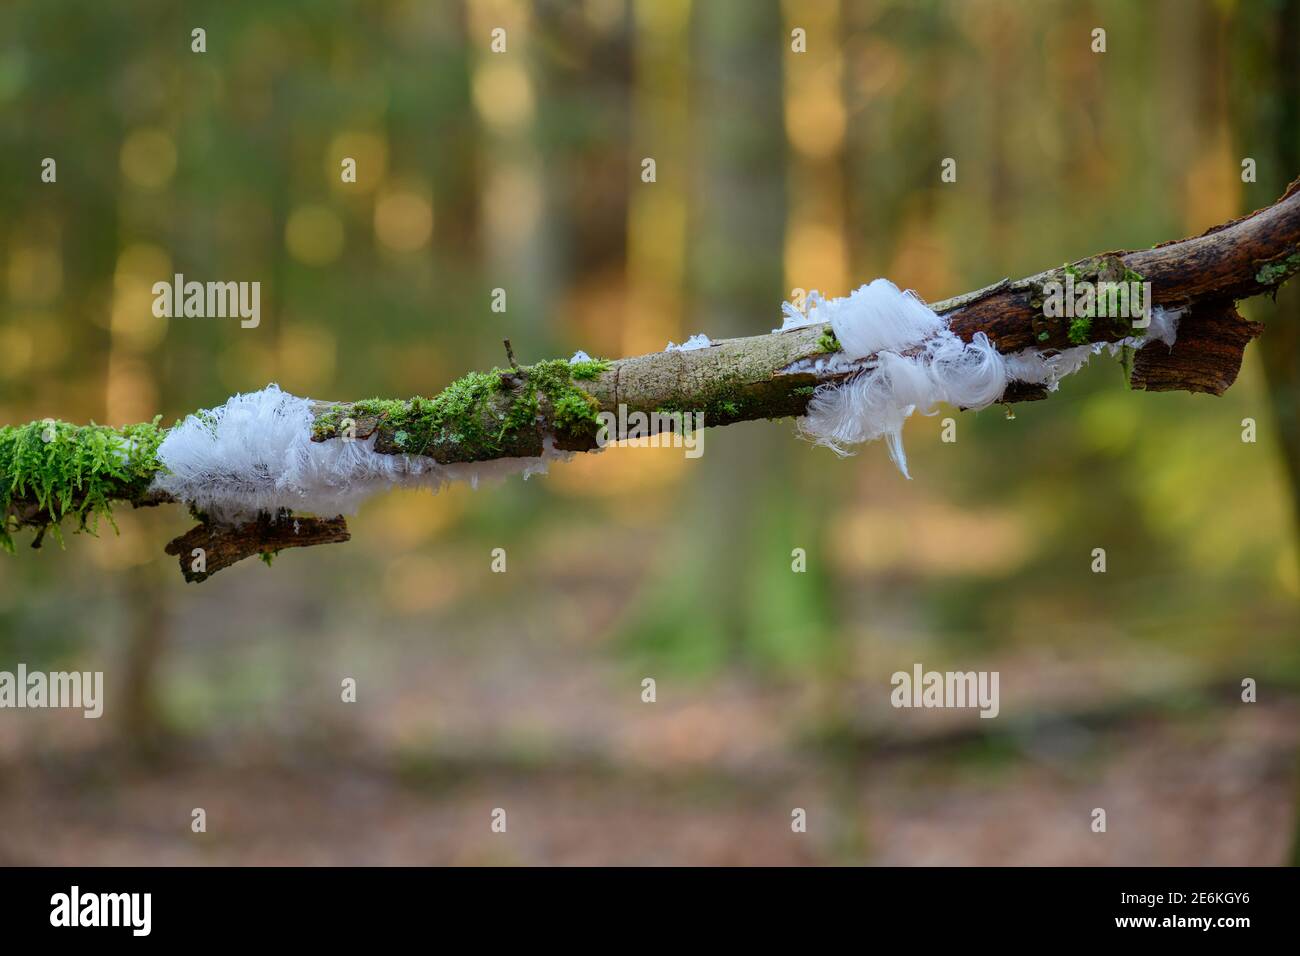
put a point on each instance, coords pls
(697, 341)
(911, 361)
(255, 453)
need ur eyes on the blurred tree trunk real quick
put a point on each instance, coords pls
(728, 592)
(1266, 109)
(1280, 345)
(515, 220)
(140, 728)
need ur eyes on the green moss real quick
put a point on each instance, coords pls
(575, 412)
(1270, 273)
(573, 409)
(1274, 272)
(828, 342)
(329, 422)
(551, 377)
(522, 413)
(721, 402)
(73, 470)
(1099, 271)
(1080, 329)
(420, 425)
(592, 368)
(473, 416)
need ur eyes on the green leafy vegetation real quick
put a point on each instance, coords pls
(77, 470)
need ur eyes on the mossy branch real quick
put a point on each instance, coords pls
(52, 470)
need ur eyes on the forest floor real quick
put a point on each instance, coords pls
(466, 705)
(1176, 793)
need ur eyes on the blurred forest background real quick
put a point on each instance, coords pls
(775, 171)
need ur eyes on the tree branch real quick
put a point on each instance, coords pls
(207, 548)
(770, 376)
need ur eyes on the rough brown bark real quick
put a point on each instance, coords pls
(221, 547)
(1206, 357)
(1236, 260)
(749, 378)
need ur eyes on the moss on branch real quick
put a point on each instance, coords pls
(59, 469)
(480, 416)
